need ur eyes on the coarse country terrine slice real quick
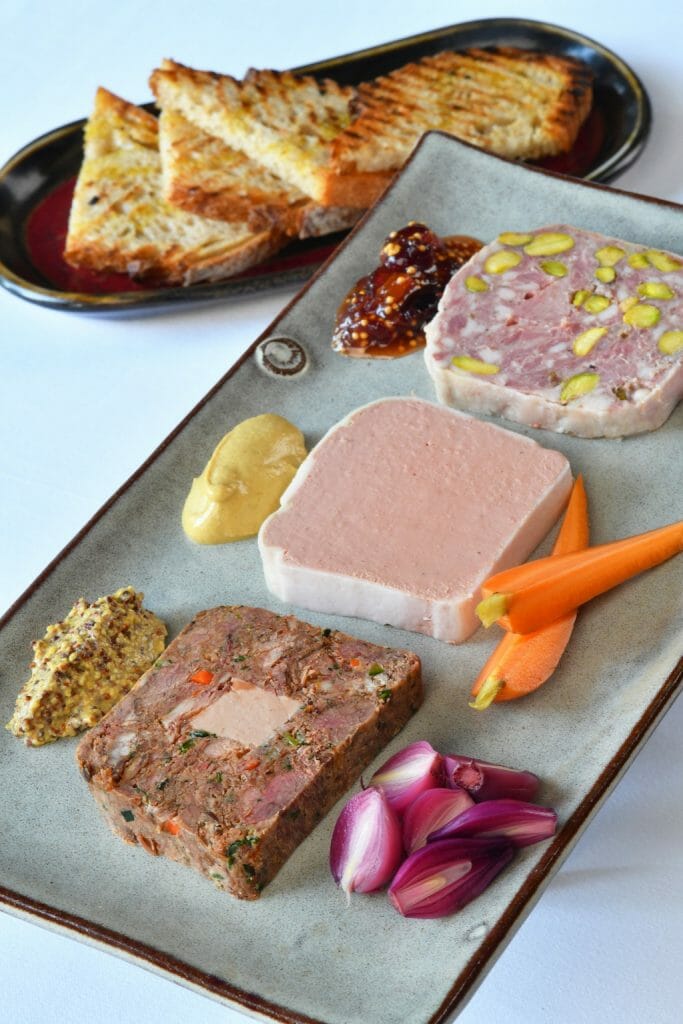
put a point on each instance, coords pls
(403, 510)
(241, 737)
(563, 329)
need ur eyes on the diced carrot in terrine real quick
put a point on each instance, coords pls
(563, 329)
(241, 737)
(404, 509)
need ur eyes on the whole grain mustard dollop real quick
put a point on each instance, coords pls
(84, 665)
(243, 480)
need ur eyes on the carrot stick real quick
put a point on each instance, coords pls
(531, 596)
(202, 677)
(574, 531)
(522, 663)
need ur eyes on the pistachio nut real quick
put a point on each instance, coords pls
(670, 342)
(609, 255)
(662, 261)
(606, 274)
(476, 284)
(554, 267)
(549, 244)
(578, 385)
(596, 303)
(638, 260)
(502, 260)
(642, 315)
(586, 342)
(578, 298)
(655, 290)
(513, 238)
(473, 365)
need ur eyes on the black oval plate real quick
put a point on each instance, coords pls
(36, 184)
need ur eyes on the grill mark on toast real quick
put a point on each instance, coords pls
(518, 103)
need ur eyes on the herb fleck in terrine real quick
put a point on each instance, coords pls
(564, 329)
(241, 737)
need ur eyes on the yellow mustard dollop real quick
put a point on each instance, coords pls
(243, 480)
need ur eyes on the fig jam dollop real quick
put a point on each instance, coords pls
(385, 313)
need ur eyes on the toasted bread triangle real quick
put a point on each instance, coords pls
(119, 220)
(204, 176)
(283, 121)
(517, 103)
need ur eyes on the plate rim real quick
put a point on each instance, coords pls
(148, 956)
(139, 301)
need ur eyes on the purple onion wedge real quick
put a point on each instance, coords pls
(442, 877)
(514, 821)
(486, 781)
(430, 811)
(415, 769)
(366, 843)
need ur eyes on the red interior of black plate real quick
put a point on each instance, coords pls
(582, 156)
(46, 236)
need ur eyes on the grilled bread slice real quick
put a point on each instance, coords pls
(202, 175)
(283, 121)
(119, 220)
(517, 103)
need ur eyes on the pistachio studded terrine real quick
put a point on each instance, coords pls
(563, 329)
(241, 737)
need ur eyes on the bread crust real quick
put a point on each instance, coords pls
(355, 188)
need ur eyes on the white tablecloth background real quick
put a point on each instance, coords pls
(83, 401)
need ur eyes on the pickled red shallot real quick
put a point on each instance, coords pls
(431, 811)
(514, 821)
(454, 846)
(366, 844)
(486, 781)
(415, 769)
(443, 877)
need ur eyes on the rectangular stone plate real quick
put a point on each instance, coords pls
(301, 953)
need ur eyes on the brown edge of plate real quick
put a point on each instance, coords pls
(149, 300)
(530, 891)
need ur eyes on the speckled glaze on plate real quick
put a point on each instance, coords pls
(36, 183)
(300, 954)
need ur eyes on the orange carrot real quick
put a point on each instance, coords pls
(531, 596)
(574, 531)
(172, 826)
(522, 663)
(202, 677)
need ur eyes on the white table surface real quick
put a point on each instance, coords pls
(83, 401)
